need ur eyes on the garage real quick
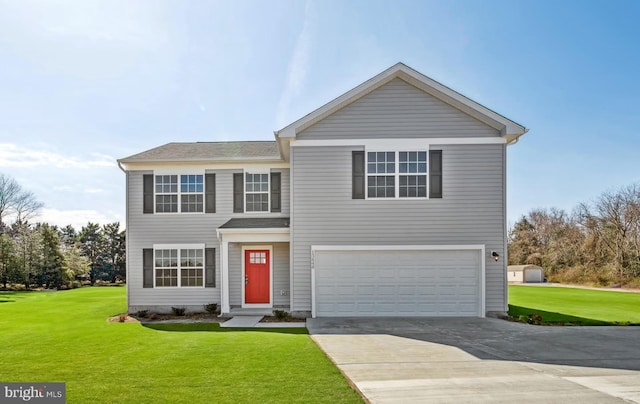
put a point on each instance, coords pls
(368, 281)
(525, 273)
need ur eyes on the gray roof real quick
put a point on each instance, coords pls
(256, 223)
(208, 151)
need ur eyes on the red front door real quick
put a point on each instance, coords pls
(257, 288)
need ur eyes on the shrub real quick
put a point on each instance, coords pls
(211, 308)
(281, 315)
(178, 311)
(122, 317)
(142, 313)
(153, 316)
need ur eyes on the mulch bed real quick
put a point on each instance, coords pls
(272, 319)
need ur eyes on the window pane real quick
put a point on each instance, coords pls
(422, 156)
(371, 167)
(191, 203)
(412, 186)
(391, 156)
(166, 203)
(391, 168)
(422, 167)
(371, 157)
(403, 156)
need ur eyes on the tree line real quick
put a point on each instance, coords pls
(598, 242)
(41, 255)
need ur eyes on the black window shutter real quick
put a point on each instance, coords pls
(435, 173)
(147, 193)
(238, 192)
(210, 193)
(357, 175)
(147, 267)
(209, 267)
(275, 192)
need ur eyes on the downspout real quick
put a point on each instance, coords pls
(126, 230)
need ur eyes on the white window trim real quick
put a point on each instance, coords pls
(244, 190)
(179, 267)
(396, 174)
(179, 193)
(256, 305)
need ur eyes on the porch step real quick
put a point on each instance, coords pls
(242, 322)
(251, 312)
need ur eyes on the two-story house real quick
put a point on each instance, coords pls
(387, 201)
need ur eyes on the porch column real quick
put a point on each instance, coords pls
(224, 275)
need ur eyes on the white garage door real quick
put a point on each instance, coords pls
(532, 275)
(398, 283)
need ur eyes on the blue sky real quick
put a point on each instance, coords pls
(84, 83)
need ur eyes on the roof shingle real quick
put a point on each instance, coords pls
(208, 151)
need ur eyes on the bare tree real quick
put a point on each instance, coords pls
(16, 201)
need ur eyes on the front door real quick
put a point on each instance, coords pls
(257, 279)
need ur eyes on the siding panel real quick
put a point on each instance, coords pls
(397, 109)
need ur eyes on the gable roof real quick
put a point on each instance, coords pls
(208, 151)
(520, 268)
(508, 128)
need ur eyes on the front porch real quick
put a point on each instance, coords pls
(255, 271)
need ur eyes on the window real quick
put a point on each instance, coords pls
(190, 193)
(166, 193)
(192, 189)
(258, 257)
(179, 267)
(381, 186)
(414, 162)
(166, 264)
(257, 192)
(400, 174)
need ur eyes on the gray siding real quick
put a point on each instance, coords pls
(280, 273)
(145, 230)
(397, 109)
(470, 212)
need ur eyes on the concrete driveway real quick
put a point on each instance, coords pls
(461, 360)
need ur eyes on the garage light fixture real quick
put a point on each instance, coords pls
(495, 256)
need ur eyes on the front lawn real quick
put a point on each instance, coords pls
(65, 336)
(577, 306)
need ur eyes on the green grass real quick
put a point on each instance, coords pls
(576, 306)
(64, 336)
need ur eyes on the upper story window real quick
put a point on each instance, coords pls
(166, 193)
(257, 192)
(190, 193)
(414, 163)
(392, 174)
(192, 190)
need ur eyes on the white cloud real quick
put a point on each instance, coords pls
(297, 69)
(77, 218)
(12, 155)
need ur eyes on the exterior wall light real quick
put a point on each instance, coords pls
(495, 256)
